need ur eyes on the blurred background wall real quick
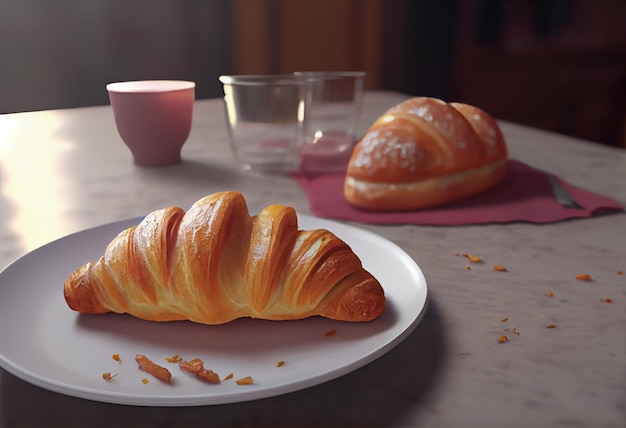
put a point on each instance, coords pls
(558, 65)
(61, 53)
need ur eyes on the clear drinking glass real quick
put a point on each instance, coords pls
(264, 114)
(333, 102)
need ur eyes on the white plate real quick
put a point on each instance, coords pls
(45, 343)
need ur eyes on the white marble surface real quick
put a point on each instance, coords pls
(66, 170)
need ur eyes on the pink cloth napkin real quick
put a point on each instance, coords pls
(524, 194)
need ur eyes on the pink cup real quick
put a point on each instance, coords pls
(153, 117)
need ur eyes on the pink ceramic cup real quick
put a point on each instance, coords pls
(153, 117)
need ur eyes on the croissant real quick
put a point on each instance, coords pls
(215, 263)
(423, 153)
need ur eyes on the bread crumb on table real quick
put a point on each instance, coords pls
(472, 259)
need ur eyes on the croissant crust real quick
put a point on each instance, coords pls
(215, 263)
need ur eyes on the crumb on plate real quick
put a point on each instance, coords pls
(245, 381)
(154, 369)
(196, 367)
(108, 376)
(173, 359)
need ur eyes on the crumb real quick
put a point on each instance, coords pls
(173, 359)
(550, 294)
(608, 300)
(228, 376)
(144, 381)
(116, 357)
(551, 326)
(330, 333)
(280, 364)
(245, 381)
(108, 376)
(583, 277)
(196, 367)
(473, 259)
(505, 319)
(503, 339)
(155, 370)
(499, 268)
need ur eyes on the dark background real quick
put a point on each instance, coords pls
(558, 65)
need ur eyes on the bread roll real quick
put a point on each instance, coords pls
(423, 153)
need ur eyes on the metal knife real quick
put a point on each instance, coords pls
(562, 196)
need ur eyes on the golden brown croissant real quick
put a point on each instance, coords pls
(425, 152)
(215, 263)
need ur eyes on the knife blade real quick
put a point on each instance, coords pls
(562, 196)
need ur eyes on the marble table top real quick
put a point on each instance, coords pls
(63, 171)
